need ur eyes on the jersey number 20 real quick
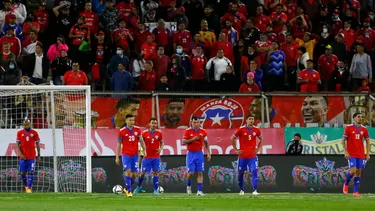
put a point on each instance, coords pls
(131, 138)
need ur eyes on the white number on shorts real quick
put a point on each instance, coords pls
(32, 166)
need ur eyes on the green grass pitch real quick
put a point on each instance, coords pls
(180, 202)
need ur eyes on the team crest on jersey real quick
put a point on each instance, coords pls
(136, 133)
(156, 136)
(254, 133)
(361, 132)
(220, 113)
(31, 135)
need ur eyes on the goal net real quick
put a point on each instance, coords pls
(58, 114)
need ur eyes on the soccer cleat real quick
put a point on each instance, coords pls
(130, 195)
(200, 193)
(345, 189)
(28, 190)
(136, 191)
(242, 193)
(255, 193)
(188, 190)
(127, 193)
(356, 194)
(156, 192)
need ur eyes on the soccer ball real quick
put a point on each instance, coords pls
(161, 189)
(117, 189)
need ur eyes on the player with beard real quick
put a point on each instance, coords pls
(173, 112)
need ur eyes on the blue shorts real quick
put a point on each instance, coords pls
(27, 165)
(195, 161)
(130, 162)
(149, 164)
(247, 164)
(358, 163)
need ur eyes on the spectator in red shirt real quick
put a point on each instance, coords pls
(290, 9)
(279, 19)
(162, 35)
(271, 35)
(272, 5)
(147, 79)
(309, 79)
(149, 48)
(249, 85)
(42, 17)
(125, 9)
(29, 26)
(241, 7)
(238, 18)
(160, 61)
(75, 76)
(364, 87)
(299, 26)
(262, 47)
(140, 36)
(15, 43)
(91, 18)
(281, 37)
(326, 65)
(368, 37)
(182, 37)
(290, 48)
(231, 33)
(79, 33)
(337, 23)
(306, 17)
(262, 20)
(198, 64)
(122, 36)
(222, 44)
(349, 35)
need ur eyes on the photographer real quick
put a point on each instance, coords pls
(295, 146)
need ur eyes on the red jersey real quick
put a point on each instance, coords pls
(141, 38)
(291, 53)
(369, 39)
(281, 38)
(248, 140)
(349, 37)
(91, 20)
(262, 55)
(184, 39)
(364, 89)
(245, 87)
(198, 64)
(272, 37)
(122, 36)
(355, 5)
(277, 17)
(129, 139)
(336, 27)
(161, 36)
(125, 10)
(231, 35)
(227, 47)
(314, 79)
(41, 17)
(299, 31)
(27, 140)
(149, 50)
(238, 20)
(291, 10)
(147, 81)
(83, 31)
(262, 22)
(327, 65)
(271, 10)
(152, 142)
(355, 135)
(195, 146)
(75, 78)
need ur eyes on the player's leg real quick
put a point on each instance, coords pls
(146, 168)
(155, 169)
(200, 169)
(22, 166)
(30, 167)
(191, 169)
(352, 165)
(134, 171)
(253, 166)
(126, 162)
(241, 168)
(360, 164)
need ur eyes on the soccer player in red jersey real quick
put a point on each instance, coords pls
(247, 154)
(27, 139)
(154, 145)
(128, 139)
(195, 137)
(354, 151)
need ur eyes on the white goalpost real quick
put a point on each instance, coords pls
(59, 114)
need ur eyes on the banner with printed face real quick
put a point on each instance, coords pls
(323, 141)
(104, 142)
(227, 113)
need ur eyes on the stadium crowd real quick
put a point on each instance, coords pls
(216, 45)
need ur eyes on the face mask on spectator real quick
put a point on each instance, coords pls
(118, 52)
(325, 30)
(250, 53)
(11, 66)
(179, 50)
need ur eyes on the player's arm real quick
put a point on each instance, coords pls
(207, 145)
(344, 142)
(38, 150)
(189, 141)
(118, 150)
(260, 144)
(367, 137)
(161, 146)
(19, 150)
(234, 145)
(143, 145)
